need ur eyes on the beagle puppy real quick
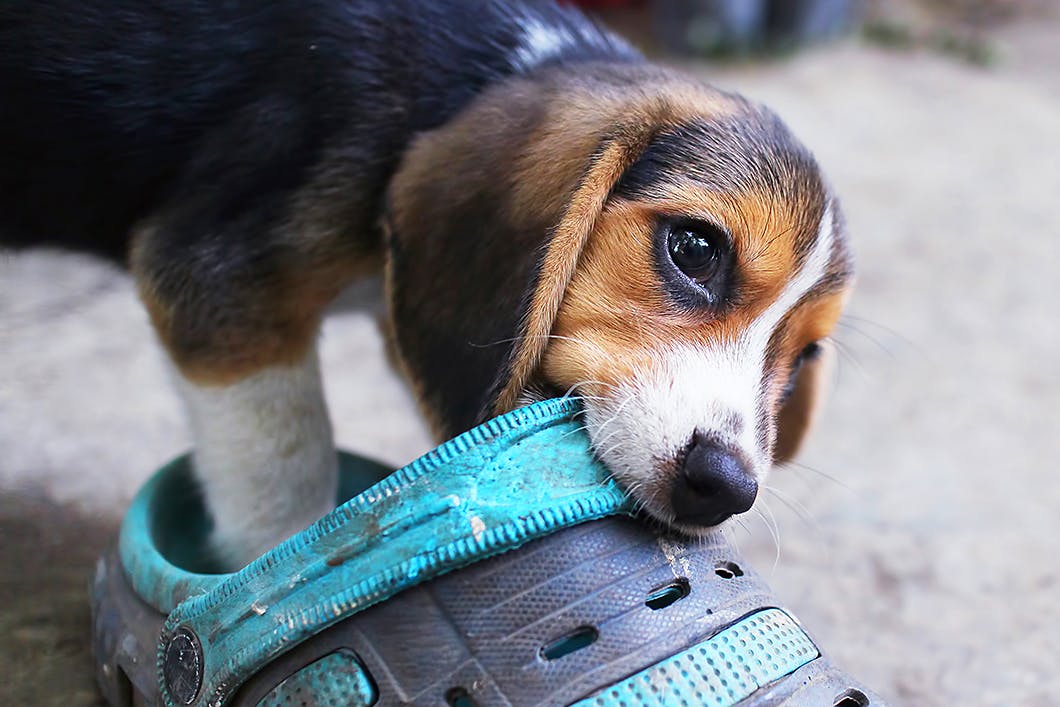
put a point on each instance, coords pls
(554, 215)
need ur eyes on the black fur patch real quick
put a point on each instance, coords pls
(749, 150)
(110, 109)
(458, 308)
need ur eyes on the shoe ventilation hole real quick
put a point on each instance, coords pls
(852, 698)
(728, 570)
(574, 641)
(459, 697)
(667, 595)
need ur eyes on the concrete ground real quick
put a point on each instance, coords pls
(917, 536)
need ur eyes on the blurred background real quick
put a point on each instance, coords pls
(916, 537)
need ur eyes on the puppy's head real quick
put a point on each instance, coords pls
(665, 251)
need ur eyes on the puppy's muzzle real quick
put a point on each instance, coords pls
(713, 484)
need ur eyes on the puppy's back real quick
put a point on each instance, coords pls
(110, 109)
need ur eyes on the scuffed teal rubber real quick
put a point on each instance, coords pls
(722, 670)
(164, 537)
(160, 583)
(513, 479)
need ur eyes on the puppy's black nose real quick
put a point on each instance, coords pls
(713, 484)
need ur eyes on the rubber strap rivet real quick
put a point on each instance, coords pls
(182, 666)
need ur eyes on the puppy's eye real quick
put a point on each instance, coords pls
(812, 351)
(809, 353)
(698, 251)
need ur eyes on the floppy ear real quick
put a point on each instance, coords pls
(487, 217)
(800, 411)
(560, 258)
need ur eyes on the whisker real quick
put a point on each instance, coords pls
(512, 340)
(800, 510)
(576, 430)
(796, 506)
(847, 320)
(604, 441)
(774, 532)
(732, 532)
(618, 411)
(799, 466)
(845, 350)
(612, 448)
(848, 326)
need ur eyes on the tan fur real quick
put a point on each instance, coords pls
(615, 315)
(573, 128)
(276, 323)
(561, 260)
(812, 322)
(799, 413)
(536, 161)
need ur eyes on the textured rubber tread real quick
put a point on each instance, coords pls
(719, 672)
(336, 680)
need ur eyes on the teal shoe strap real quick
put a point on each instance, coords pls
(515, 478)
(164, 540)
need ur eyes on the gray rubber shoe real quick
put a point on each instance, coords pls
(503, 568)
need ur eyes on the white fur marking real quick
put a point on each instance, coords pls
(264, 456)
(651, 417)
(813, 269)
(542, 42)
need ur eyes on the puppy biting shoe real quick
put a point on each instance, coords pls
(502, 568)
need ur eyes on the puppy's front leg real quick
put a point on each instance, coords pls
(264, 455)
(239, 317)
